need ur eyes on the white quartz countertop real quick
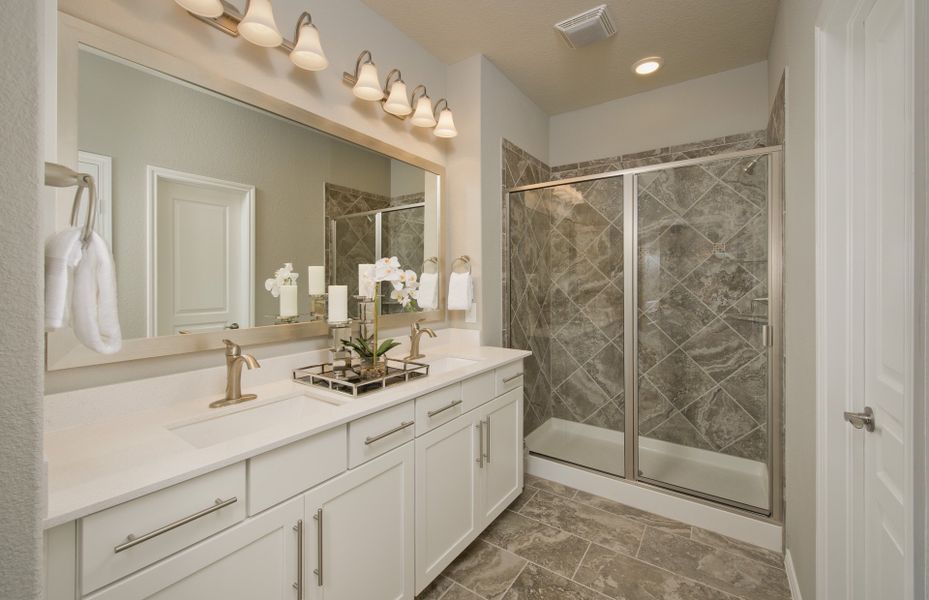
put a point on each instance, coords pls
(102, 463)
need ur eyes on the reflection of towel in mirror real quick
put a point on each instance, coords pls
(428, 295)
(62, 253)
(460, 291)
(94, 309)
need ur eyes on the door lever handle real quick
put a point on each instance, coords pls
(863, 420)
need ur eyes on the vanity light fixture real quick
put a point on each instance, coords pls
(422, 117)
(258, 25)
(203, 8)
(365, 82)
(446, 125)
(308, 52)
(647, 66)
(397, 103)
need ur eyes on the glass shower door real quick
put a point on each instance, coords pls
(565, 260)
(702, 348)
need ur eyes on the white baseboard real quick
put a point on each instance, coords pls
(792, 576)
(748, 529)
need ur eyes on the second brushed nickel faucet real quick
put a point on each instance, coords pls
(234, 361)
(416, 331)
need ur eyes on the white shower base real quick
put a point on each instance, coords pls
(730, 477)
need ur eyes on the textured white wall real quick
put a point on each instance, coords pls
(722, 104)
(792, 49)
(22, 504)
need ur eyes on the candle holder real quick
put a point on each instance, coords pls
(340, 356)
(318, 307)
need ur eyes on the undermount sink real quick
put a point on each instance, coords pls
(222, 428)
(449, 363)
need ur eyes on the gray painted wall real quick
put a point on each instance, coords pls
(22, 505)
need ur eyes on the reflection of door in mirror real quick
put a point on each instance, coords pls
(202, 250)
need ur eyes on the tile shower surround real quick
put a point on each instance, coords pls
(703, 374)
(402, 234)
(555, 542)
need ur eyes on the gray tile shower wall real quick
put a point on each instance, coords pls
(702, 261)
(775, 132)
(521, 168)
(355, 239)
(720, 145)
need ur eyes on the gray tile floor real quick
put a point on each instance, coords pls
(558, 543)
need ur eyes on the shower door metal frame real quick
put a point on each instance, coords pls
(630, 318)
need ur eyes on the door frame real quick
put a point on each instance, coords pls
(153, 177)
(840, 225)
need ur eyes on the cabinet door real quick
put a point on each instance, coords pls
(359, 541)
(255, 559)
(447, 478)
(503, 455)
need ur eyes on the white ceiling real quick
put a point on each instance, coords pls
(695, 37)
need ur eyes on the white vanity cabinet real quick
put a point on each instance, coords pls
(255, 559)
(467, 472)
(371, 509)
(359, 536)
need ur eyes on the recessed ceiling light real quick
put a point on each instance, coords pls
(647, 66)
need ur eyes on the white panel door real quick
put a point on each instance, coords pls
(202, 256)
(448, 478)
(255, 559)
(888, 303)
(503, 454)
(359, 541)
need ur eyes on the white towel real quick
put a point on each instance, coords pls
(94, 309)
(460, 291)
(62, 253)
(428, 295)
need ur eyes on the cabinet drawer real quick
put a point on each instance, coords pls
(508, 377)
(478, 390)
(161, 523)
(376, 434)
(438, 407)
(279, 474)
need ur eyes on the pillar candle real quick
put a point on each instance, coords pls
(366, 280)
(288, 300)
(338, 303)
(316, 280)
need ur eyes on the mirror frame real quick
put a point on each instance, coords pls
(63, 351)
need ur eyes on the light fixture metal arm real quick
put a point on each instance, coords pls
(306, 17)
(387, 81)
(435, 109)
(351, 78)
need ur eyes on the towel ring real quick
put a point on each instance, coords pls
(432, 259)
(61, 176)
(464, 259)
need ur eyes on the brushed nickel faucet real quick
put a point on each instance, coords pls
(234, 361)
(416, 331)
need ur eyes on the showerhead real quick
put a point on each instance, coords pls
(750, 167)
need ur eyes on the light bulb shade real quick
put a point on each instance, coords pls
(202, 8)
(446, 125)
(397, 102)
(308, 52)
(258, 25)
(368, 86)
(423, 115)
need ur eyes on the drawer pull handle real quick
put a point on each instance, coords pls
(512, 378)
(132, 540)
(371, 439)
(452, 404)
(480, 444)
(299, 585)
(318, 571)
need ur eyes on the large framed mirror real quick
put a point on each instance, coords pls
(210, 193)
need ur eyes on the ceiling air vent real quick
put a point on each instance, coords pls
(586, 28)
